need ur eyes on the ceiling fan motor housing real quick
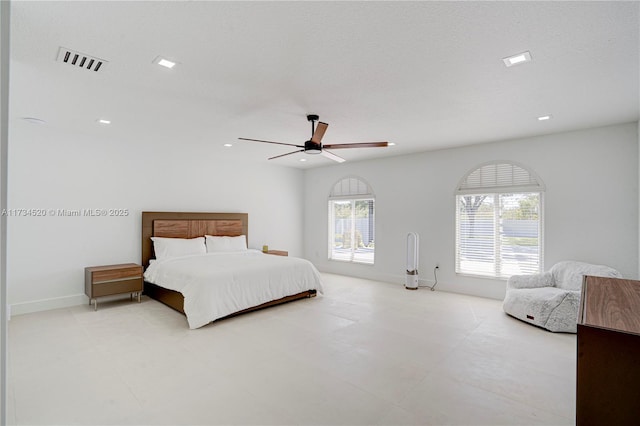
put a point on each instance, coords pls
(311, 147)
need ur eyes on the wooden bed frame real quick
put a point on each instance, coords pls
(192, 225)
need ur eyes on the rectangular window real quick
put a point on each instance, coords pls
(351, 233)
(499, 235)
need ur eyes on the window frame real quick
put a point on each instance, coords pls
(501, 178)
(349, 189)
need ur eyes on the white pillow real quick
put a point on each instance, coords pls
(221, 244)
(174, 247)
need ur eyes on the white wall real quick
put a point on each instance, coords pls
(4, 142)
(52, 169)
(591, 204)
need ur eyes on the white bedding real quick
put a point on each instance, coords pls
(215, 285)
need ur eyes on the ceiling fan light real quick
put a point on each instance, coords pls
(311, 147)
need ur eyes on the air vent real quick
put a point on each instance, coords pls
(80, 60)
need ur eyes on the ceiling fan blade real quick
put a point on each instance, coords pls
(319, 132)
(277, 143)
(358, 145)
(288, 153)
(332, 156)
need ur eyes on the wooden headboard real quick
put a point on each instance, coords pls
(189, 225)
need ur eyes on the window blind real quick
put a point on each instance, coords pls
(351, 221)
(499, 177)
(498, 225)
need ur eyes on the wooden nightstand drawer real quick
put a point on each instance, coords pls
(127, 285)
(113, 274)
(278, 252)
(112, 279)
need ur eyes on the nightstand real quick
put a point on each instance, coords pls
(108, 280)
(278, 252)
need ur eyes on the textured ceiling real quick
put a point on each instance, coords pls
(425, 75)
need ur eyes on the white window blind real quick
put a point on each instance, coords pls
(496, 177)
(351, 187)
(499, 221)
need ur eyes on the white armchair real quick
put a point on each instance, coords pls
(551, 300)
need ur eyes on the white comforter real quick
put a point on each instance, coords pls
(215, 285)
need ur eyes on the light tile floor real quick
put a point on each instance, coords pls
(364, 353)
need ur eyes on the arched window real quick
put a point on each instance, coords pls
(499, 221)
(351, 221)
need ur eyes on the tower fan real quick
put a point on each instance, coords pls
(413, 241)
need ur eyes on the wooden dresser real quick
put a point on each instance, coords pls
(608, 366)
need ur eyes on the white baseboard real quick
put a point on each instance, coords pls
(386, 278)
(48, 304)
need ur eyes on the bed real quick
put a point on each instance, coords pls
(206, 287)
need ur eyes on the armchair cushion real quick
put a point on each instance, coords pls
(530, 281)
(551, 300)
(568, 274)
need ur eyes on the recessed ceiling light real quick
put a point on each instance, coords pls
(520, 58)
(164, 62)
(544, 117)
(303, 159)
(103, 121)
(33, 120)
(227, 145)
(391, 144)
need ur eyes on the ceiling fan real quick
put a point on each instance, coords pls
(315, 146)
